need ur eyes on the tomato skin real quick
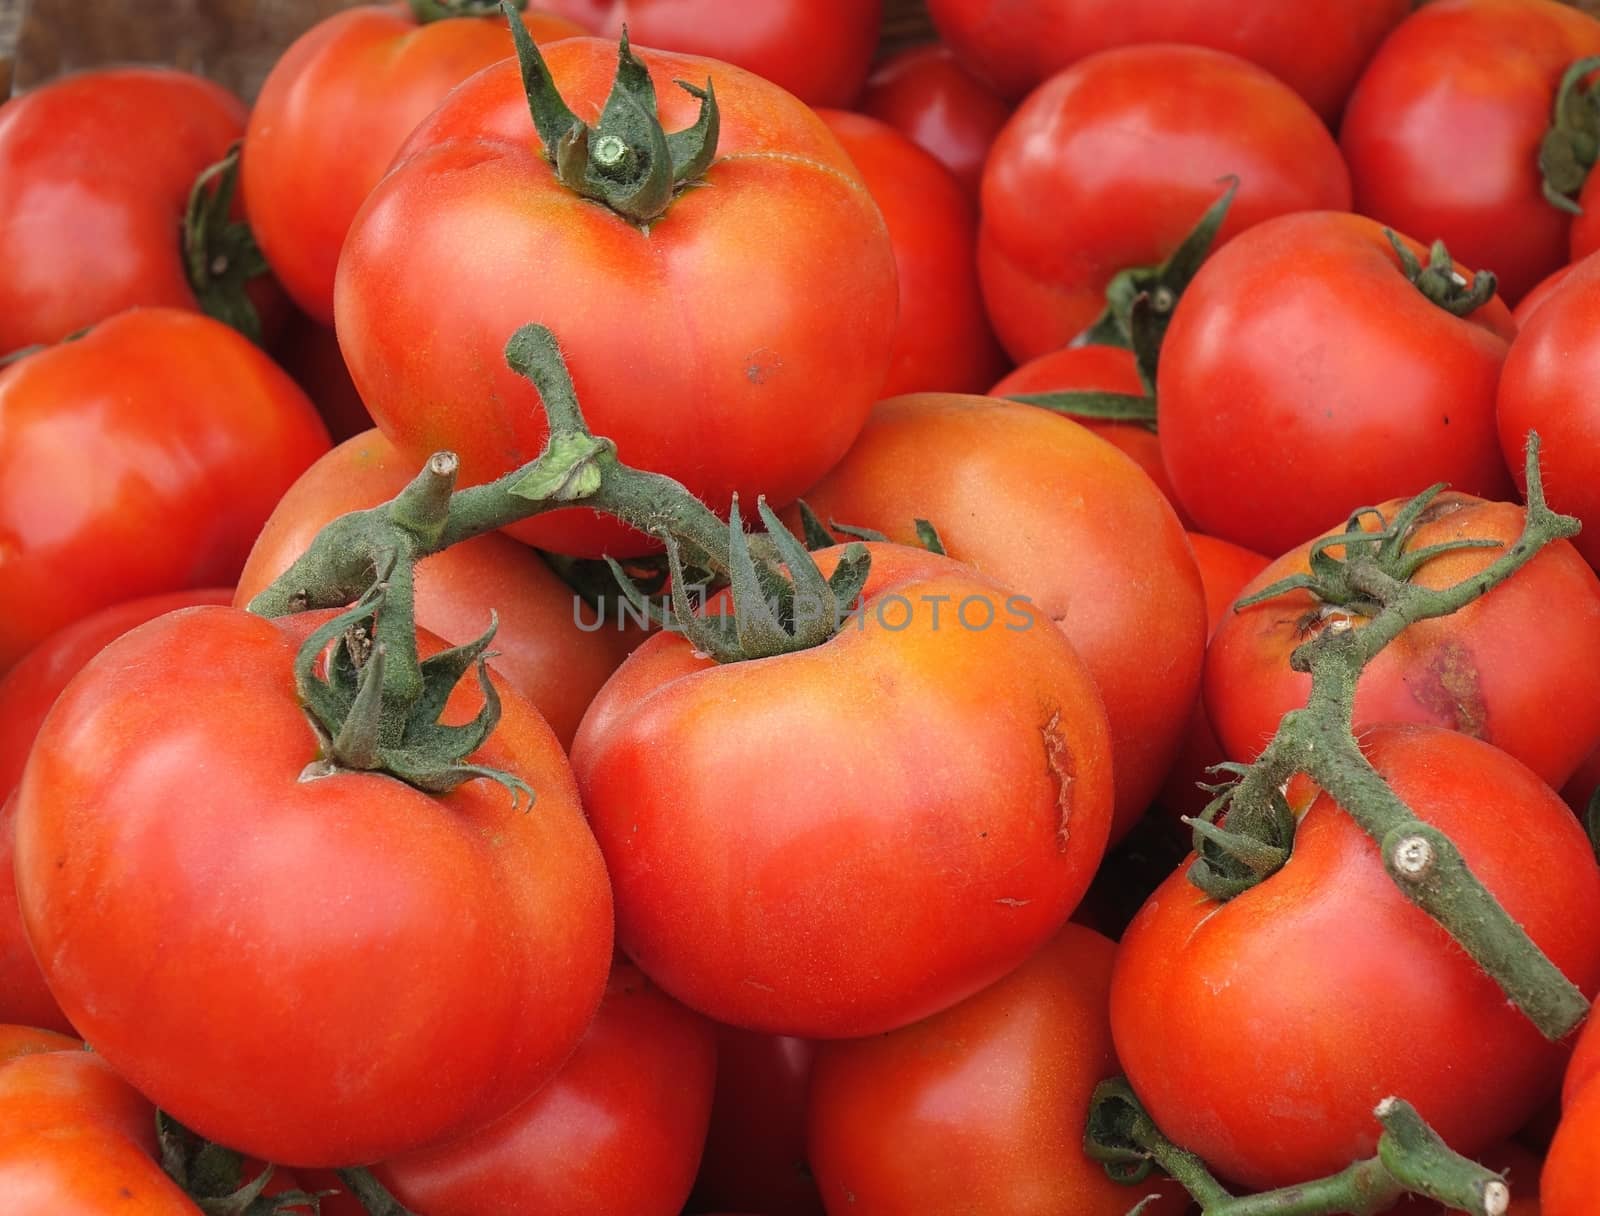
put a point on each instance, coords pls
(1539, 296)
(1584, 1066)
(138, 459)
(1106, 369)
(1108, 562)
(1442, 133)
(1015, 44)
(1481, 670)
(1272, 436)
(333, 112)
(983, 1103)
(91, 208)
(544, 647)
(819, 50)
(617, 1132)
(782, 260)
(926, 95)
(1545, 387)
(856, 835)
(942, 339)
(1254, 1045)
(447, 951)
(1130, 147)
(1571, 1176)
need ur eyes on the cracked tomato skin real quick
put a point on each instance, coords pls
(736, 345)
(405, 967)
(1260, 1033)
(842, 840)
(1481, 671)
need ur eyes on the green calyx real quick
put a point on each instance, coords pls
(1440, 281)
(821, 536)
(211, 1176)
(626, 160)
(1369, 598)
(1161, 286)
(220, 253)
(1571, 145)
(1411, 1160)
(428, 11)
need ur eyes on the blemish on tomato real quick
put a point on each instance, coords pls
(1058, 757)
(1448, 689)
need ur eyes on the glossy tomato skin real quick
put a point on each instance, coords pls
(856, 835)
(1443, 131)
(140, 458)
(819, 50)
(551, 647)
(332, 114)
(1015, 44)
(983, 1103)
(1254, 1045)
(1480, 671)
(1109, 164)
(1571, 1176)
(942, 340)
(737, 346)
(26, 693)
(447, 951)
(1275, 434)
(617, 1132)
(1546, 387)
(91, 207)
(926, 95)
(1107, 562)
(1104, 369)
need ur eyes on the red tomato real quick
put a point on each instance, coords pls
(1480, 671)
(1339, 385)
(1017, 43)
(1571, 1176)
(1104, 369)
(1584, 1066)
(92, 202)
(1536, 298)
(403, 966)
(140, 458)
(1130, 147)
(1443, 131)
(1107, 561)
(332, 114)
(26, 693)
(618, 1132)
(755, 1158)
(981, 1107)
(857, 835)
(1547, 387)
(942, 340)
(1255, 1045)
(817, 49)
(551, 647)
(736, 346)
(926, 95)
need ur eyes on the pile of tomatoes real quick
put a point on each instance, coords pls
(968, 385)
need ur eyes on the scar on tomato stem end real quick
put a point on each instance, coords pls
(1058, 759)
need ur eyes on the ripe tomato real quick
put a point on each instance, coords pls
(1107, 561)
(1546, 387)
(981, 1107)
(737, 345)
(1480, 671)
(1571, 1176)
(402, 966)
(817, 49)
(926, 95)
(1339, 385)
(1443, 131)
(333, 112)
(858, 835)
(1255, 1045)
(140, 458)
(92, 202)
(551, 647)
(1535, 299)
(942, 340)
(1584, 1066)
(1130, 148)
(1019, 43)
(617, 1132)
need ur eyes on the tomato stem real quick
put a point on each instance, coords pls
(219, 252)
(1411, 1160)
(429, 11)
(374, 1196)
